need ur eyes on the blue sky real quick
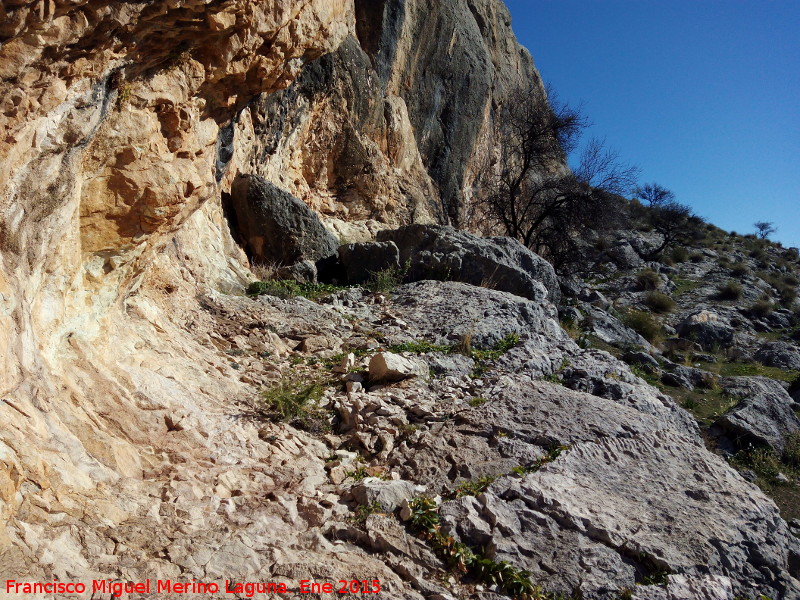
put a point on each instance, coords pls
(703, 95)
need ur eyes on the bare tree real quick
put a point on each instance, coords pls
(530, 192)
(673, 221)
(764, 229)
(654, 194)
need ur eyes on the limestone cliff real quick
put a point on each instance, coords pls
(389, 125)
(124, 124)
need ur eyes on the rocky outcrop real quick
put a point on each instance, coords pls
(501, 263)
(362, 262)
(764, 415)
(275, 226)
(779, 354)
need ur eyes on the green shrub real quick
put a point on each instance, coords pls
(679, 254)
(787, 294)
(296, 402)
(387, 280)
(477, 401)
(288, 288)
(791, 452)
(648, 279)
(729, 291)
(659, 303)
(696, 257)
(643, 324)
(739, 269)
(762, 308)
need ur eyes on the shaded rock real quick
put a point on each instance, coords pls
(386, 366)
(614, 332)
(276, 226)
(641, 358)
(301, 272)
(595, 298)
(707, 329)
(362, 261)
(779, 354)
(570, 314)
(624, 256)
(677, 379)
(764, 416)
(501, 263)
(688, 377)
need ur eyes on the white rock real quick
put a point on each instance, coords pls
(386, 366)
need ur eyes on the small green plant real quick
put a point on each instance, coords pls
(477, 401)
(358, 474)
(296, 402)
(658, 577)
(287, 288)
(125, 93)
(473, 488)
(643, 324)
(762, 308)
(791, 452)
(729, 291)
(519, 470)
(739, 269)
(424, 514)
(365, 510)
(419, 347)
(659, 303)
(387, 279)
(696, 257)
(761, 460)
(549, 457)
(648, 279)
(680, 254)
(511, 580)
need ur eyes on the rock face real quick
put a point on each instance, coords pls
(362, 261)
(438, 252)
(275, 226)
(779, 354)
(394, 120)
(764, 415)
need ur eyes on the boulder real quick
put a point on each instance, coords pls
(386, 366)
(361, 261)
(389, 494)
(612, 331)
(501, 263)
(779, 354)
(764, 416)
(624, 256)
(707, 329)
(302, 272)
(277, 227)
(688, 377)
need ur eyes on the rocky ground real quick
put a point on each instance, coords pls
(722, 331)
(549, 455)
